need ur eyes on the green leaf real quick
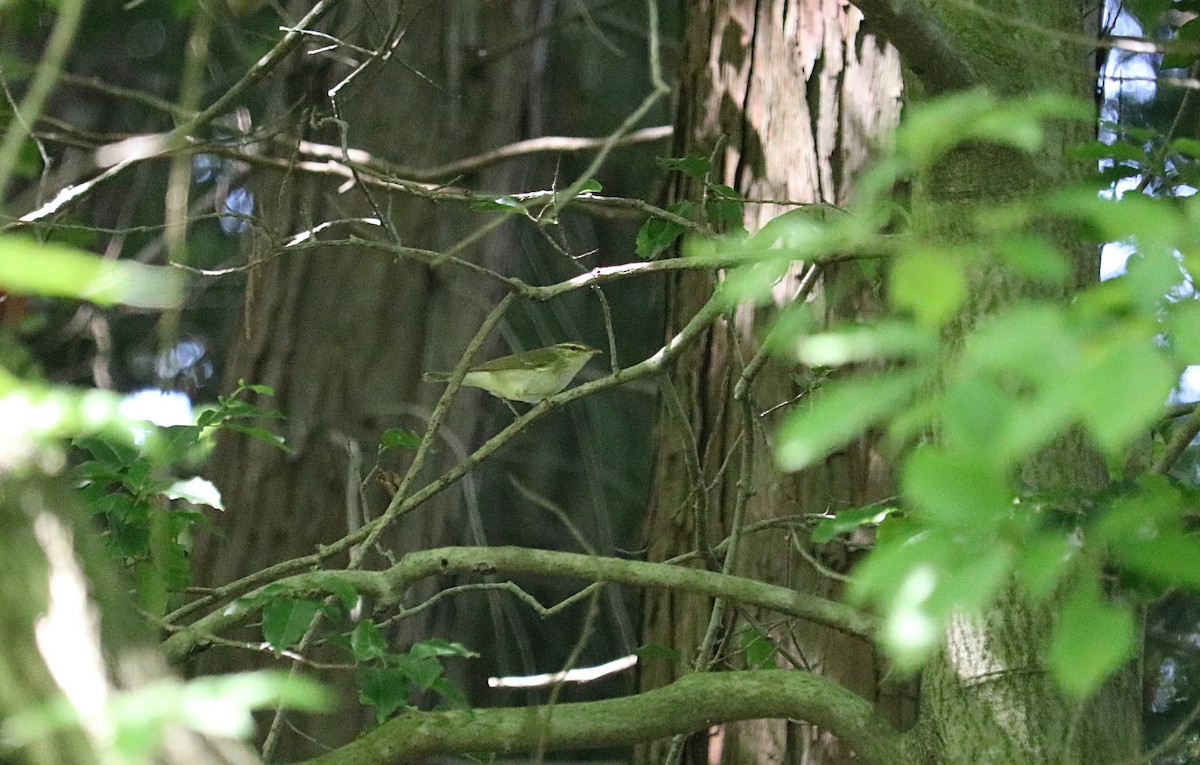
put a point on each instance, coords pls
(657, 234)
(725, 205)
(692, 165)
(422, 671)
(29, 267)
(115, 455)
(591, 186)
(285, 620)
(1152, 223)
(1145, 531)
(1026, 341)
(973, 578)
(1187, 146)
(176, 442)
(451, 695)
(344, 591)
(438, 647)
(1035, 257)
(760, 650)
(1092, 639)
(866, 342)
(505, 204)
(1183, 329)
(928, 283)
(754, 282)
(656, 651)
(262, 434)
(1148, 12)
(257, 388)
(839, 412)
(975, 410)
(399, 437)
(1042, 563)
(965, 490)
(386, 689)
(1188, 33)
(366, 642)
(1120, 151)
(912, 631)
(849, 520)
(1120, 390)
(151, 588)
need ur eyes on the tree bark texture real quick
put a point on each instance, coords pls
(789, 121)
(343, 334)
(989, 698)
(789, 98)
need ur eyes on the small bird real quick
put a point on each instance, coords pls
(529, 376)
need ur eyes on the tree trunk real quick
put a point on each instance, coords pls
(343, 334)
(792, 96)
(989, 698)
(796, 92)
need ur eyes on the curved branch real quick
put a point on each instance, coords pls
(693, 703)
(387, 586)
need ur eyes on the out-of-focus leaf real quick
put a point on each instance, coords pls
(1033, 256)
(30, 267)
(1183, 329)
(399, 437)
(1093, 637)
(955, 489)
(1042, 563)
(928, 283)
(1120, 389)
(849, 520)
(840, 411)
(692, 165)
(656, 651)
(865, 342)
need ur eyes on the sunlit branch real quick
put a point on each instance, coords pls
(543, 145)
(146, 146)
(692, 703)
(388, 586)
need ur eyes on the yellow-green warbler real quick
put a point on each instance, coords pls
(530, 376)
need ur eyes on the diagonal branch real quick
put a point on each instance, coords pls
(693, 703)
(924, 44)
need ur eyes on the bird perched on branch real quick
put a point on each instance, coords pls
(529, 376)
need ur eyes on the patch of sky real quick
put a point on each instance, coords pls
(239, 205)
